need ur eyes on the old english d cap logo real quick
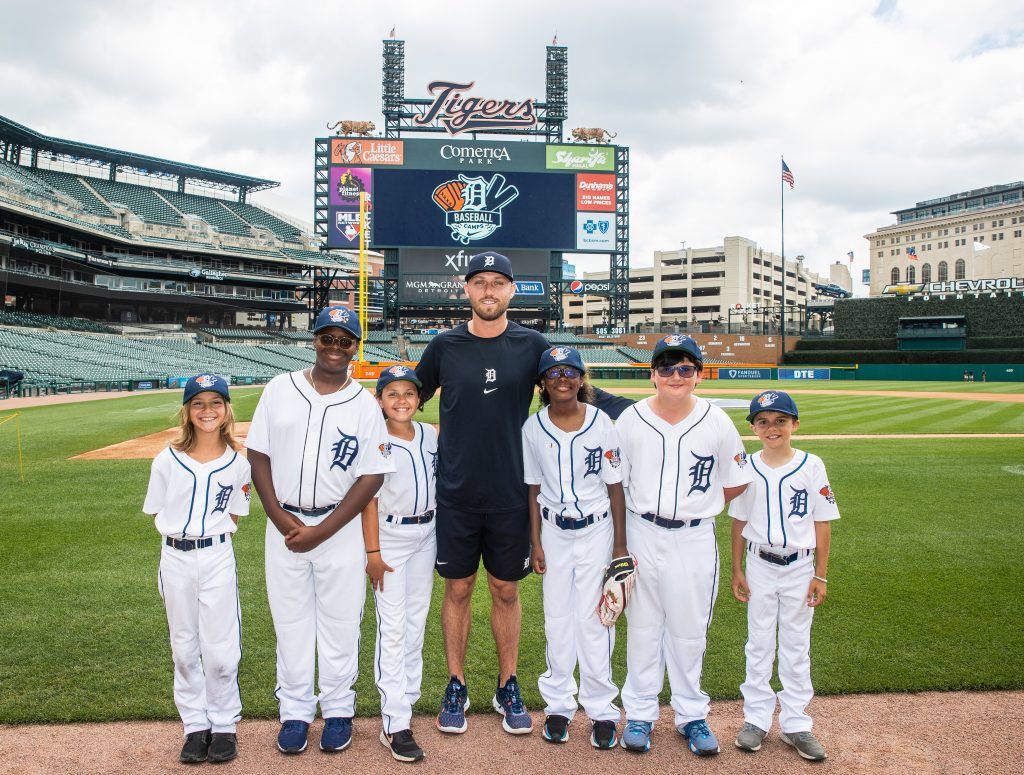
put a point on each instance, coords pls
(489, 262)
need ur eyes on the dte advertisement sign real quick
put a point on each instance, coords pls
(805, 374)
(476, 209)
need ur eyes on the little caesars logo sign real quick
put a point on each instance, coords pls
(458, 113)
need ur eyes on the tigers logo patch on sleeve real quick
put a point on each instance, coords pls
(827, 493)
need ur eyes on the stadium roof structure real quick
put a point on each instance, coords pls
(15, 137)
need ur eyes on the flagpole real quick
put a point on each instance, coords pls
(782, 220)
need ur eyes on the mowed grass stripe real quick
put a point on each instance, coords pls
(924, 565)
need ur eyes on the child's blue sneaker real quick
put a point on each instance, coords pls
(636, 736)
(292, 737)
(337, 734)
(702, 740)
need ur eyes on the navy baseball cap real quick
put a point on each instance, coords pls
(339, 317)
(772, 401)
(201, 383)
(489, 262)
(678, 343)
(560, 356)
(396, 373)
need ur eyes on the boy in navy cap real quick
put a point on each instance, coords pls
(782, 523)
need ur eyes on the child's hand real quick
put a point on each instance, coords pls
(303, 538)
(537, 560)
(375, 569)
(816, 592)
(740, 589)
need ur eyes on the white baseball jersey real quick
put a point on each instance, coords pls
(411, 489)
(782, 505)
(318, 445)
(573, 468)
(678, 471)
(194, 500)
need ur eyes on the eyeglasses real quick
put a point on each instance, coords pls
(684, 371)
(569, 372)
(329, 340)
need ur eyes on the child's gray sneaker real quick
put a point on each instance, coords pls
(750, 737)
(806, 744)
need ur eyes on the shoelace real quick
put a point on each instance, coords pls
(515, 700)
(637, 726)
(293, 726)
(700, 729)
(452, 700)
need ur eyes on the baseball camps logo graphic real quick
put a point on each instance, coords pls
(613, 458)
(827, 494)
(339, 315)
(206, 380)
(247, 491)
(472, 205)
(385, 450)
(767, 400)
(559, 353)
(398, 371)
(741, 459)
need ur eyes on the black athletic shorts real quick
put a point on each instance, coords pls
(501, 538)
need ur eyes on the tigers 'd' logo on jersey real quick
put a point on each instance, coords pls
(593, 461)
(700, 473)
(223, 497)
(798, 503)
(345, 450)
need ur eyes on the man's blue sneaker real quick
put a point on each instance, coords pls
(636, 736)
(292, 737)
(702, 740)
(452, 717)
(337, 734)
(509, 703)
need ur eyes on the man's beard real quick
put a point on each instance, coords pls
(489, 312)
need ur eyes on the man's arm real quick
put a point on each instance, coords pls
(263, 480)
(427, 372)
(611, 405)
(304, 538)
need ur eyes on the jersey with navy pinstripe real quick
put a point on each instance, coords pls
(573, 468)
(318, 445)
(192, 499)
(410, 490)
(677, 471)
(782, 504)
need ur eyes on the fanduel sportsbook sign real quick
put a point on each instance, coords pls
(458, 113)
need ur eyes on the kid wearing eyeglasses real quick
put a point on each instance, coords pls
(572, 467)
(684, 462)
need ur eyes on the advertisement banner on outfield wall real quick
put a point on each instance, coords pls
(347, 183)
(580, 157)
(595, 192)
(750, 373)
(475, 209)
(806, 374)
(595, 231)
(429, 276)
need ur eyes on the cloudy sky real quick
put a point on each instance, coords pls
(874, 104)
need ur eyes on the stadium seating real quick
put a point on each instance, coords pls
(260, 217)
(141, 200)
(237, 333)
(210, 210)
(10, 317)
(73, 187)
(298, 336)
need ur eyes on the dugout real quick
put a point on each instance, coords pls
(934, 332)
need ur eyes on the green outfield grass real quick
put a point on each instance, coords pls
(923, 585)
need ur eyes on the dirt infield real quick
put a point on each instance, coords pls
(967, 733)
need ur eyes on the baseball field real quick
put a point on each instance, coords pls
(924, 581)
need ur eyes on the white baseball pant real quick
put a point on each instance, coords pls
(572, 587)
(778, 599)
(402, 610)
(316, 602)
(668, 618)
(200, 593)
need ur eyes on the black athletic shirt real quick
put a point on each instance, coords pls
(487, 385)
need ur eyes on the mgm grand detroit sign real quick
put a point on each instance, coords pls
(958, 289)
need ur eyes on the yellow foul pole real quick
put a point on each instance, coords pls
(362, 270)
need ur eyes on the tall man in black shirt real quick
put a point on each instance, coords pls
(487, 370)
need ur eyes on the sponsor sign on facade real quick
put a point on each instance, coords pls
(343, 227)
(805, 374)
(468, 155)
(347, 183)
(583, 158)
(428, 276)
(367, 152)
(595, 192)
(529, 288)
(595, 231)
(988, 285)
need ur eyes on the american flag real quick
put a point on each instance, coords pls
(912, 254)
(554, 40)
(787, 174)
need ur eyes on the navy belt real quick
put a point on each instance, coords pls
(671, 524)
(309, 512)
(421, 519)
(569, 523)
(188, 544)
(782, 559)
